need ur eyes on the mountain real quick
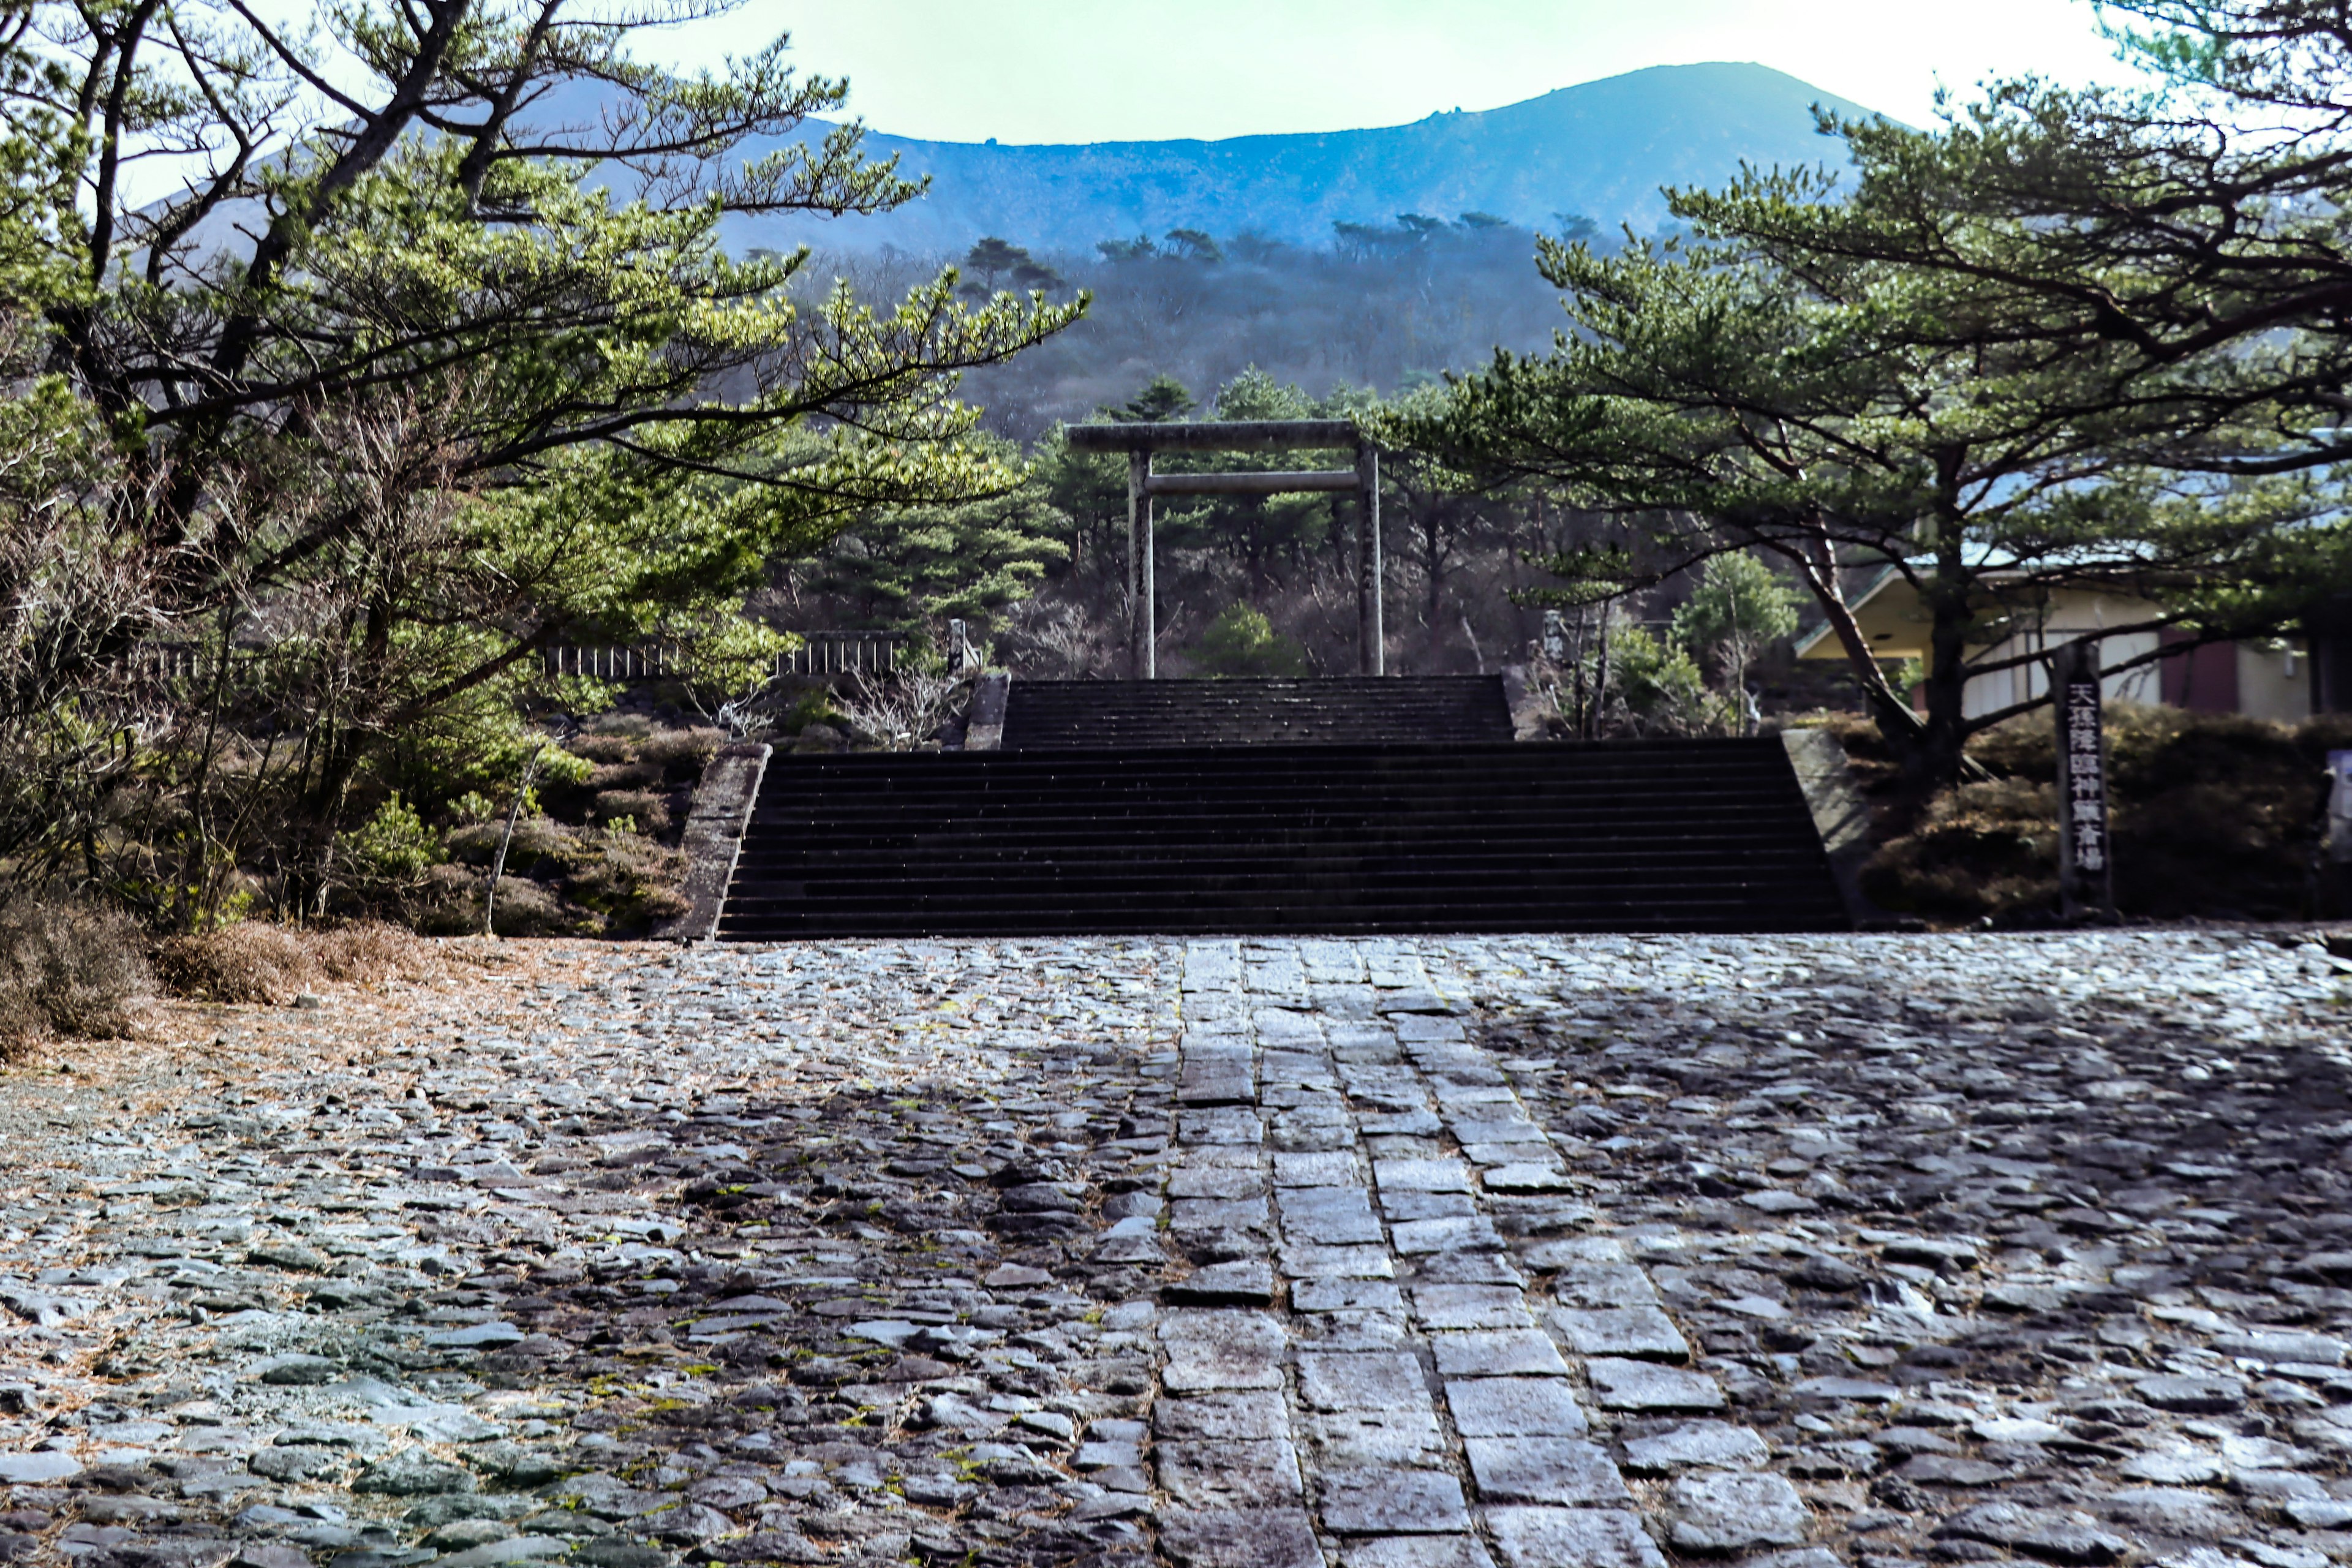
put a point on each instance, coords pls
(1602, 149)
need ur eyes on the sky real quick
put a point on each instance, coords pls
(1099, 70)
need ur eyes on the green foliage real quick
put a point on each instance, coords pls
(996, 264)
(904, 566)
(1662, 686)
(1797, 378)
(727, 659)
(1739, 600)
(472, 383)
(1193, 245)
(1162, 399)
(1243, 642)
(388, 857)
(1257, 531)
(1739, 609)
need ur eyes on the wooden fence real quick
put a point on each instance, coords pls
(821, 653)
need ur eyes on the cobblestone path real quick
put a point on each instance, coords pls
(1375, 1254)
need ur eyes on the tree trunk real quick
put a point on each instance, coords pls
(1903, 730)
(1940, 755)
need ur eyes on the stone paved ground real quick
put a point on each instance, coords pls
(1381, 1253)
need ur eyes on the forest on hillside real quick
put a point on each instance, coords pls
(1385, 307)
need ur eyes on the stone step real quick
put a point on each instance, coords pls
(1653, 836)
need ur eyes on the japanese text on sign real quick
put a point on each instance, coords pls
(2083, 773)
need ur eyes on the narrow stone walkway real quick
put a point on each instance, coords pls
(1362, 1368)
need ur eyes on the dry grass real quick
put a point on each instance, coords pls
(255, 962)
(2216, 816)
(68, 968)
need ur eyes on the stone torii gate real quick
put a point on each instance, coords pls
(1141, 442)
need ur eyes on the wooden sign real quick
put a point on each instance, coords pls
(2086, 848)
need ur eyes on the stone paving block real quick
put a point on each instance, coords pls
(1362, 1381)
(1223, 1285)
(1415, 1237)
(1636, 1333)
(1344, 1295)
(2283, 1345)
(1295, 1069)
(1245, 1416)
(1216, 1182)
(1422, 1175)
(1335, 1333)
(1335, 1262)
(1209, 1351)
(1401, 1438)
(1391, 1502)
(1512, 1129)
(1333, 1168)
(1570, 1251)
(1723, 1513)
(1499, 1352)
(1515, 1407)
(1215, 1213)
(1694, 1444)
(1286, 1026)
(1224, 1157)
(1419, 1014)
(1527, 1177)
(1419, 1124)
(1212, 965)
(1398, 1207)
(1592, 1285)
(1480, 1268)
(1571, 1537)
(1543, 1470)
(1647, 1386)
(1238, 1538)
(1229, 1125)
(1470, 1307)
(1329, 1216)
(1416, 1551)
(1227, 1475)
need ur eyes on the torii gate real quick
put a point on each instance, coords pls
(1139, 441)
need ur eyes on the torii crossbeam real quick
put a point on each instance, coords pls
(1141, 441)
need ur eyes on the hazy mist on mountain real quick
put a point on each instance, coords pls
(1394, 299)
(1602, 149)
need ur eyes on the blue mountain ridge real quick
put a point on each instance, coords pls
(1602, 149)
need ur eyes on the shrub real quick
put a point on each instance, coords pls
(639, 775)
(249, 962)
(629, 727)
(1663, 688)
(536, 840)
(66, 968)
(1243, 642)
(371, 952)
(681, 754)
(603, 748)
(526, 908)
(632, 881)
(385, 861)
(649, 811)
(2215, 816)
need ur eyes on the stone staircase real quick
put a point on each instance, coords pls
(1150, 834)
